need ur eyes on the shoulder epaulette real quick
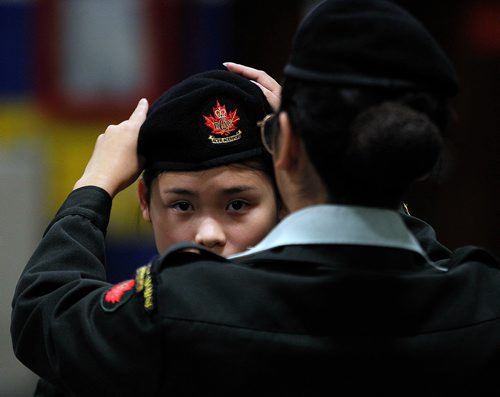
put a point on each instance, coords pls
(162, 260)
(146, 276)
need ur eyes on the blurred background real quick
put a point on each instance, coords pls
(68, 68)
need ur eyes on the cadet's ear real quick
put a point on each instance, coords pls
(142, 191)
(287, 146)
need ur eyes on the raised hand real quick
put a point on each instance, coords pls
(114, 164)
(269, 86)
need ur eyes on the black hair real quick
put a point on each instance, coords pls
(367, 144)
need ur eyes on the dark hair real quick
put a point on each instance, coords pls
(367, 144)
(262, 164)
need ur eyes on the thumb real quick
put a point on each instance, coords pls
(140, 112)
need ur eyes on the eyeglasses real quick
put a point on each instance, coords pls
(268, 128)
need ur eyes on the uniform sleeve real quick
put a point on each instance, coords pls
(60, 327)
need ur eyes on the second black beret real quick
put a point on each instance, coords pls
(369, 43)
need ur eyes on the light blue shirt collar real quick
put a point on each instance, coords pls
(338, 224)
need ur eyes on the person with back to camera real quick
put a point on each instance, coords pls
(338, 298)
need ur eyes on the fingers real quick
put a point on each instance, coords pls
(114, 163)
(263, 89)
(140, 112)
(272, 98)
(135, 120)
(259, 76)
(269, 86)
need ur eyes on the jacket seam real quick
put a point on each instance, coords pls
(311, 334)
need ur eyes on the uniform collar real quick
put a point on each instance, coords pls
(342, 225)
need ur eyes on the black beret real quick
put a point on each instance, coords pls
(207, 120)
(372, 43)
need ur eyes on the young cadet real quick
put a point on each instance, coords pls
(207, 176)
(339, 297)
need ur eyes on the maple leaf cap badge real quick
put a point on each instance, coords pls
(222, 124)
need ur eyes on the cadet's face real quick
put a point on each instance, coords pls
(227, 209)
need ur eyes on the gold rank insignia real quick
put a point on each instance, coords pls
(144, 285)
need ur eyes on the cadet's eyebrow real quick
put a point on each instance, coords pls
(226, 191)
(180, 191)
(237, 189)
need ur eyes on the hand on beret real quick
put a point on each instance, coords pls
(269, 86)
(114, 164)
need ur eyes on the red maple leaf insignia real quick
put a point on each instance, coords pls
(115, 293)
(222, 123)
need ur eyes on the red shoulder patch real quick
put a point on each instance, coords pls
(117, 295)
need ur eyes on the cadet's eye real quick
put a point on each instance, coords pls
(237, 205)
(182, 206)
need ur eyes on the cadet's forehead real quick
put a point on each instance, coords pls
(219, 180)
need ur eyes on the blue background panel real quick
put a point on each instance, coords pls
(16, 48)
